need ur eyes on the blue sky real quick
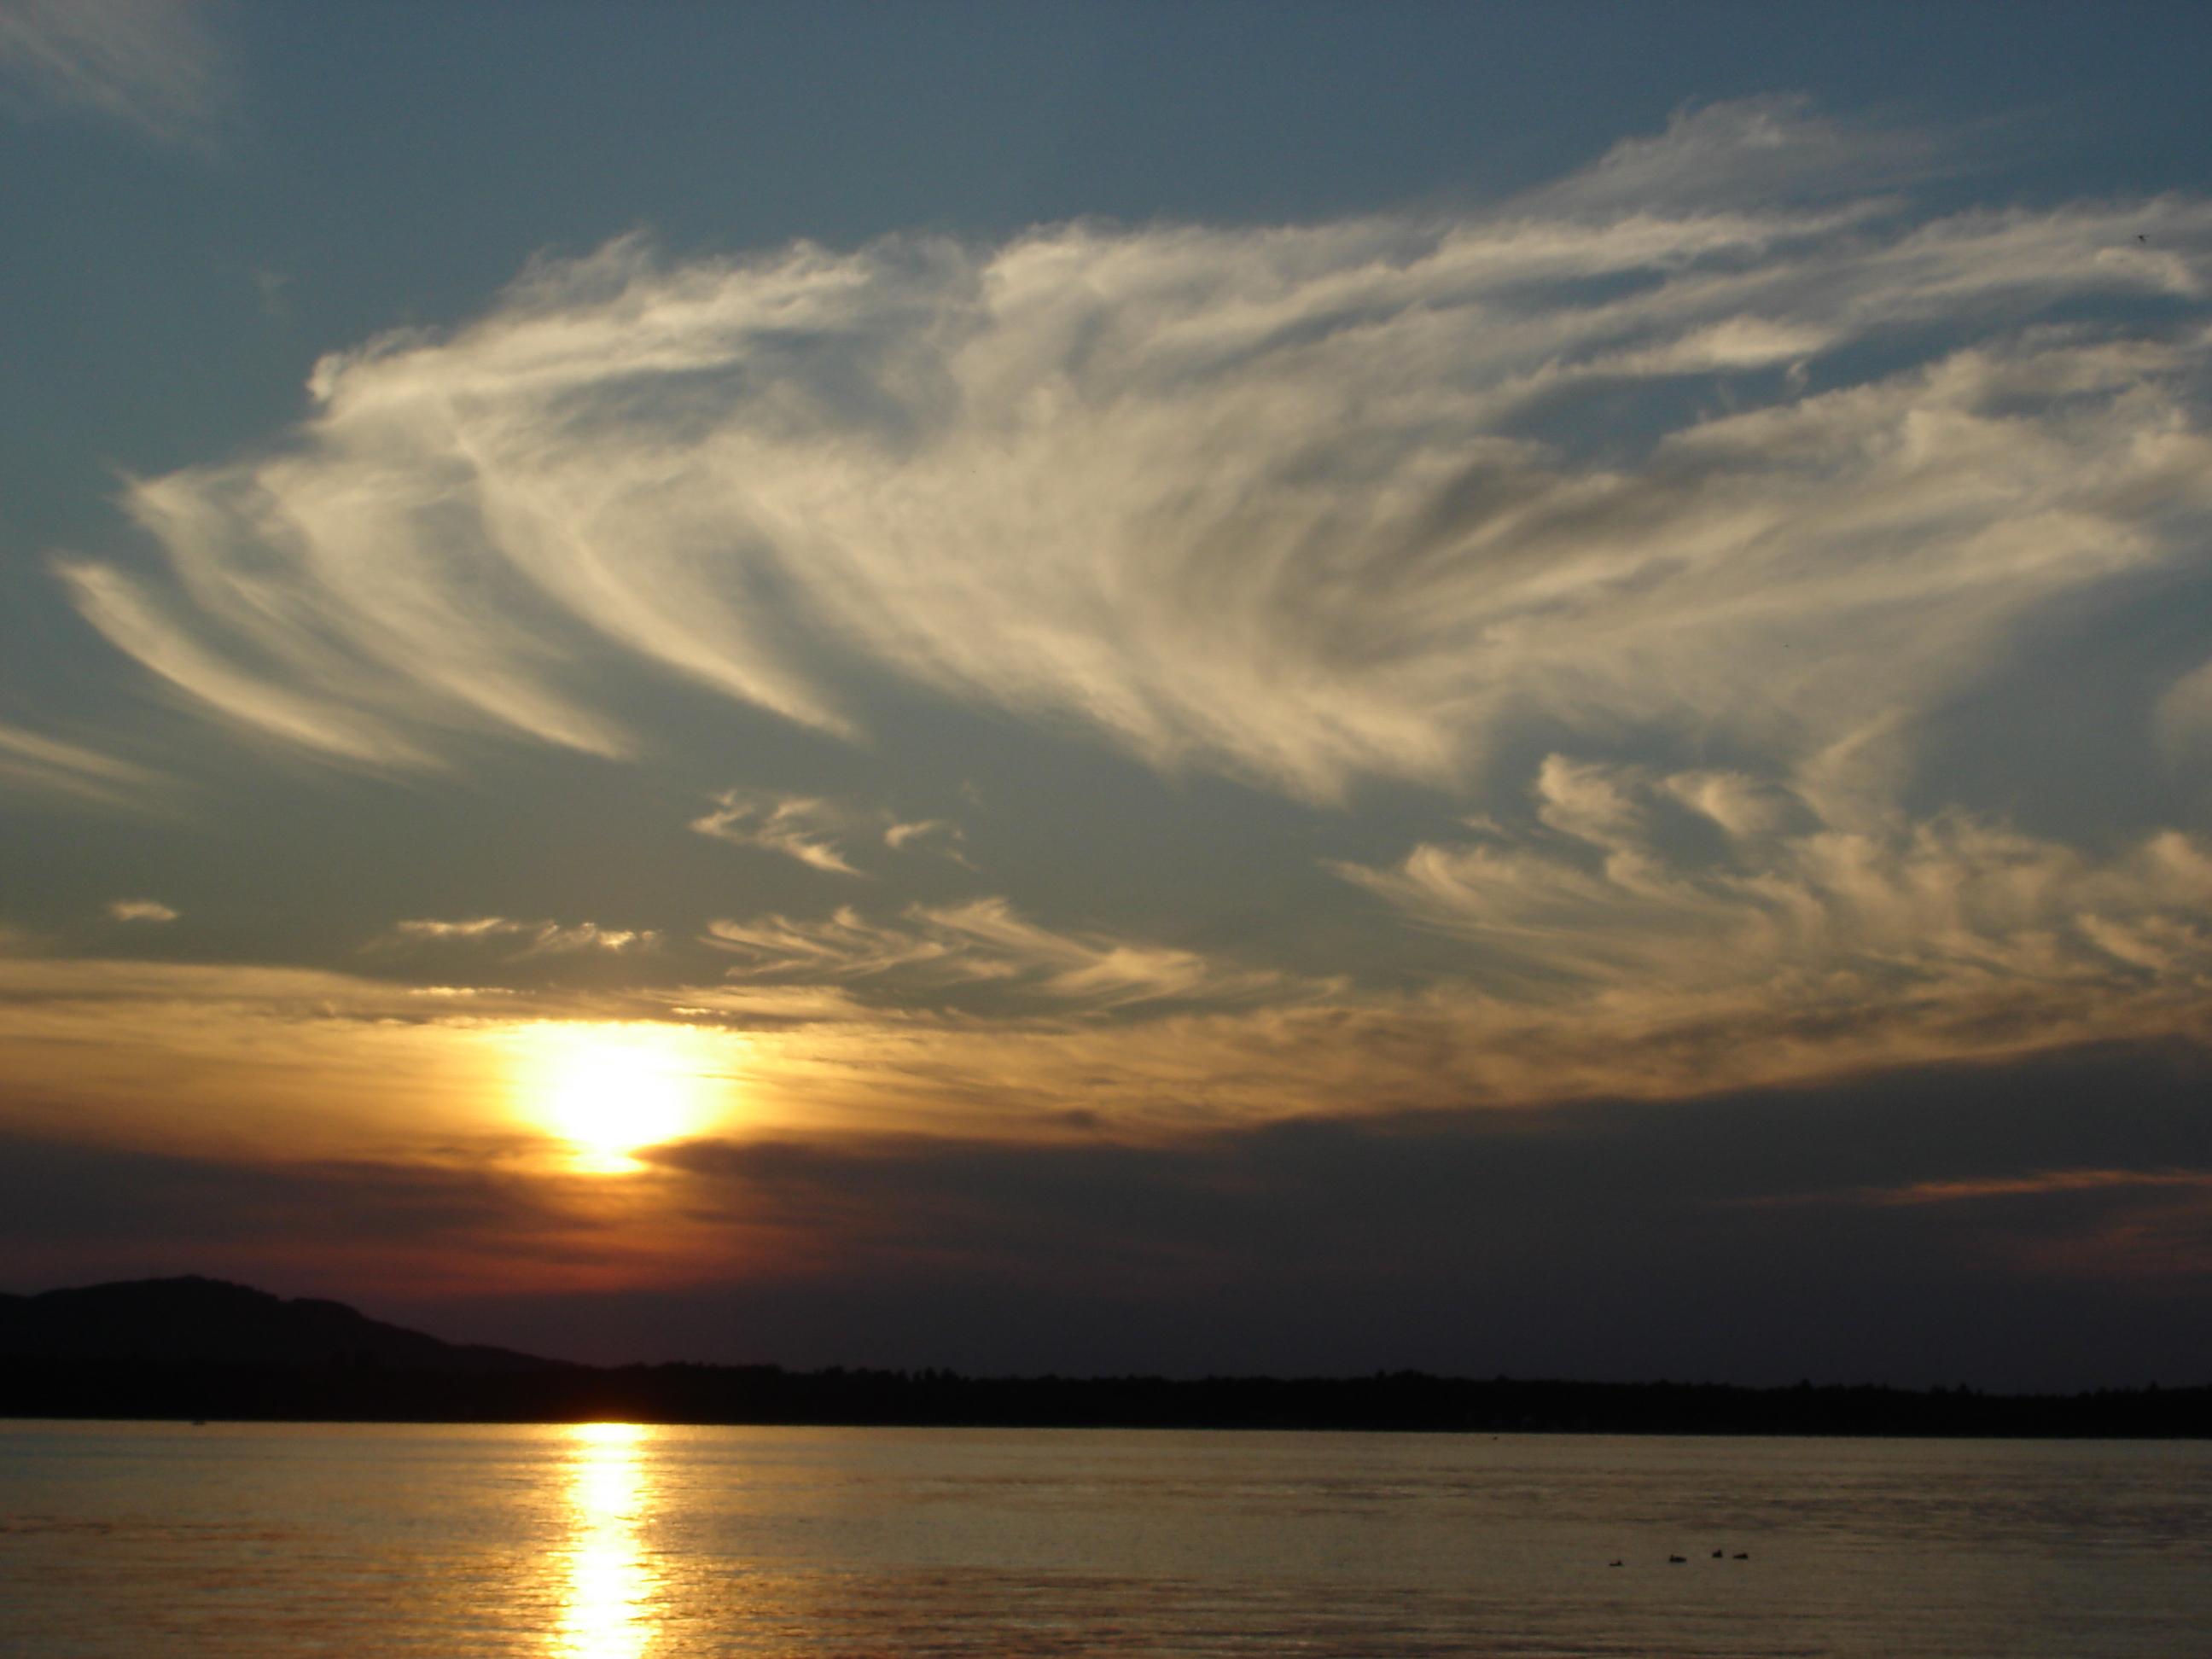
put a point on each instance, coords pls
(676, 656)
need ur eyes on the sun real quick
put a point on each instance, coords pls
(609, 1088)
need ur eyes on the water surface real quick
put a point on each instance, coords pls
(613, 1542)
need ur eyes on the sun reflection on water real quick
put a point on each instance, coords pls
(609, 1612)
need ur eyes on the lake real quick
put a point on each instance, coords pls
(606, 1541)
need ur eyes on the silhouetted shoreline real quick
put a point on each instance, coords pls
(197, 1348)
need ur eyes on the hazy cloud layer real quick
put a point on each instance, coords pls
(1978, 1209)
(150, 64)
(1369, 1200)
(356, 1228)
(971, 1019)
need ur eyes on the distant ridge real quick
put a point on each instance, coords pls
(193, 1319)
(194, 1347)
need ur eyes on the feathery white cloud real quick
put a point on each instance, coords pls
(1697, 442)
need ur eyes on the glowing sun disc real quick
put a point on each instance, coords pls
(609, 1089)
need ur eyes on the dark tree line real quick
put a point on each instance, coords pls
(360, 1388)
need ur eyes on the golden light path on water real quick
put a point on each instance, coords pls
(609, 1610)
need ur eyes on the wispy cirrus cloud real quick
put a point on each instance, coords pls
(530, 938)
(986, 941)
(1636, 879)
(153, 65)
(939, 835)
(821, 832)
(799, 827)
(35, 763)
(1682, 445)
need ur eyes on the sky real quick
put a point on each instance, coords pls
(1119, 688)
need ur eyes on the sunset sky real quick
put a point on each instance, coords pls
(1505, 689)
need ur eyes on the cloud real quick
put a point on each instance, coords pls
(536, 939)
(1606, 1238)
(150, 64)
(48, 766)
(898, 834)
(2042, 1183)
(971, 1019)
(974, 1019)
(140, 910)
(939, 835)
(1603, 1238)
(343, 1227)
(121, 612)
(206, 1059)
(1619, 893)
(1716, 473)
(818, 831)
(1776, 147)
(1671, 451)
(799, 827)
(985, 941)
(2184, 714)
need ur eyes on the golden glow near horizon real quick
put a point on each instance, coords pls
(608, 1612)
(608, 1089)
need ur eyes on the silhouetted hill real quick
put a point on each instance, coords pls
(200, 1348)
(209, 1320)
